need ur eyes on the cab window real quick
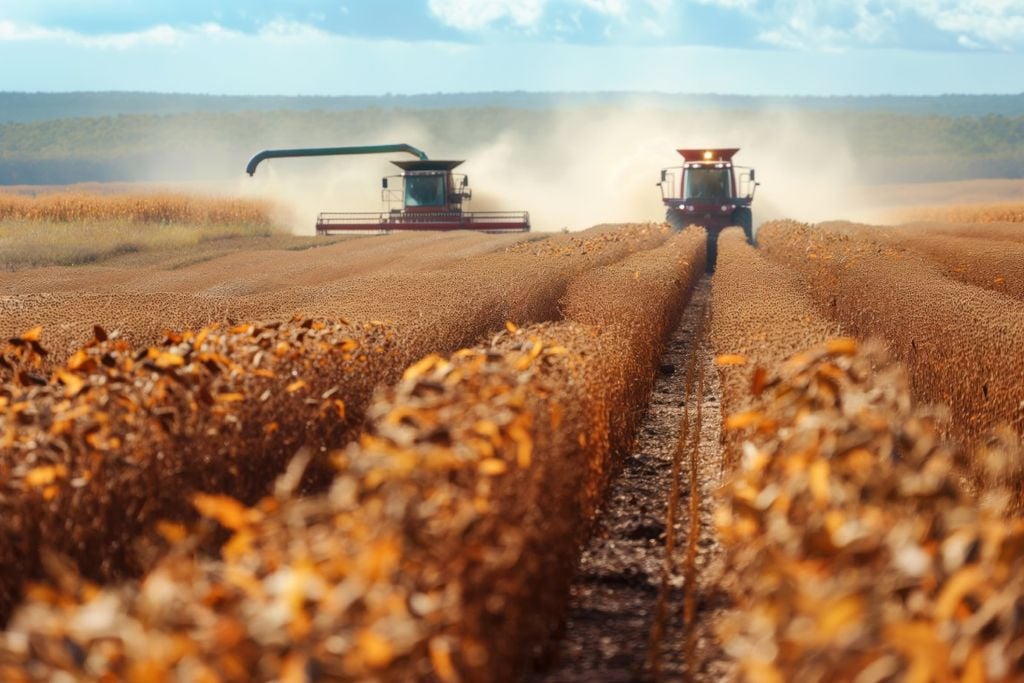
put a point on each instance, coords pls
(708, 183)
(424, 190)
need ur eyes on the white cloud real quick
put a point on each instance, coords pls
(615, 8)
(999, 23)
(730, 4)
(840, 24)
(162, 35)
(473, 15)
(476, 15)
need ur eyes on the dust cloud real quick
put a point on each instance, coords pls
(586, 166)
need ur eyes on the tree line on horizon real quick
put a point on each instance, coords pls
(893, 147)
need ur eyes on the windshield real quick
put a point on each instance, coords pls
(424, 190)
(708, 183)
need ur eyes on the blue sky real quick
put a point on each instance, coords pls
(343, 47)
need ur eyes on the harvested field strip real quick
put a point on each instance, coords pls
(963, 346)
(439, 310)
(614, 594)
(857, 553)
(445, 544)
(99, 463)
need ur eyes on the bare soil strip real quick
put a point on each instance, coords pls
(614, 598)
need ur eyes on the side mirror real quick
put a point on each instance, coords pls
(384, 183)
(664, 175)
(465, 180)
(753, 175)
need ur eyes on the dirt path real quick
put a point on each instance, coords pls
(622, 579)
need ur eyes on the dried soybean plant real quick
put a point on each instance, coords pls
(444, 547)
(859, 555)
(760, 315)
(99, 462)
(963, 346)
(162, 208)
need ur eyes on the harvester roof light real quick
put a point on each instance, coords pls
(709, 155)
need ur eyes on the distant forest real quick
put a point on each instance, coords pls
(86, 137)
(28, 107)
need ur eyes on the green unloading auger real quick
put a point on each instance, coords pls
(331, 151)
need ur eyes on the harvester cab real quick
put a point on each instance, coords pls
(426, 196)
(709, 191)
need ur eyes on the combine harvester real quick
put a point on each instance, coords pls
(427, 195)
(709, 194)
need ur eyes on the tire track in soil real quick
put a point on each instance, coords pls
(614, 598)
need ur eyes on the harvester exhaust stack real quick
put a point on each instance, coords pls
(428, 196)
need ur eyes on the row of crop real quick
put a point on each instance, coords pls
(760, 315)
(445, 544)
(997, 265)
(854, 550)
(69, 207)
(439, 309)
(1005, 212)
(963, 346)
(98, 460)
(856, 553)
(1003, 232)
(116, 439)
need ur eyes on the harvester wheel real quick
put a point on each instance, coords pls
(675, 218)
(743, 218)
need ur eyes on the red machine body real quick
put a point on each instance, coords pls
(711, 192)
(427, 195)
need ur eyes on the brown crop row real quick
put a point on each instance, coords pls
(997, 265)
(438, 309)
(445, 544)
(857, 553)
(93, 460)
(760, 315)
(638, 301)
(158, 422)
(151, 208)
(1006, 212)
(963, 346)
(1005, 232)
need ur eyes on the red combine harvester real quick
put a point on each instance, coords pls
(427, 195)
(709, 194)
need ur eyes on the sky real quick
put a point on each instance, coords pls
(373, 47)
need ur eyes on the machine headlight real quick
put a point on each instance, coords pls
(689, 208)
(724, 208)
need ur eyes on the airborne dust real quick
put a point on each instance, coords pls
(585, 166)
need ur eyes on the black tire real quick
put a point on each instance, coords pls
(712, 251)
(743, 218)
(675, 219)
